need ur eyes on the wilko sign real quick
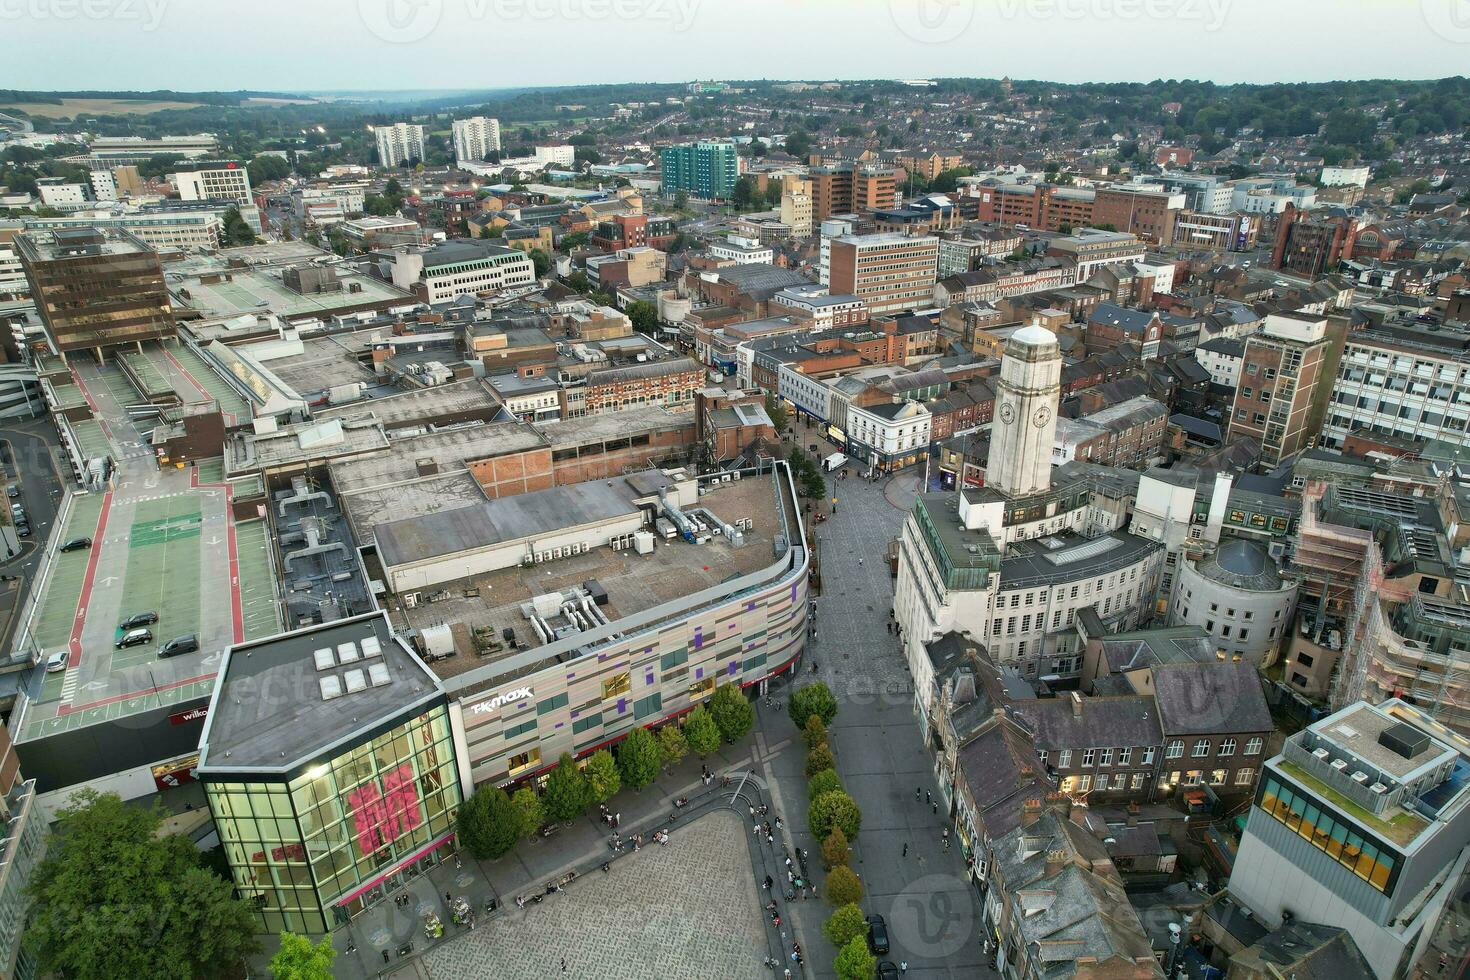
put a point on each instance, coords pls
(193, 714)
(501, 700)
(382, 815)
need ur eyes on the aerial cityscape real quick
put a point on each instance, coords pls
(956, 489)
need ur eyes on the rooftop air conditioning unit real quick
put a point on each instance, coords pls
(1379, 788)
(1339, 764)
(1320, 753)
(1360, 777)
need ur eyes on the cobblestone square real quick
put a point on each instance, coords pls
(690, 908)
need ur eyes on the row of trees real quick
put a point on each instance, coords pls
(492, 821)
(834, 819)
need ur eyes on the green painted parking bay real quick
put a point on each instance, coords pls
(162, 574)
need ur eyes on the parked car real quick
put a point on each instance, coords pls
(56, 662)
(138, 619)
(134, 638)
(24, 530)
(179, 645)
(877, 934)
(12, 491)
(77, 544)
(887, 971)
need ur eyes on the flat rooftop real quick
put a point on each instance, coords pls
(634, 582)
(445, 450)
(408, 407)
(253, 725)
(259, 289)
(1356, 731)
(610, 425)
(304, 443)
(366, 509)
(325, 361)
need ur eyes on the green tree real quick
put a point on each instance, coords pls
(746, 192)
(672, 745)
(236, 231)
(854, 962)
(268, 167)
(776, 409)
(835, 849)
(681, 199)
(644, 316)
(567, 793)
(638, 758)
(578, 281)
(823, 782)
(834, 809)
(814, 733)
(818, 759)
(110, 893)
(540, 262)
(529, 812)
(843, 886)
(574, 240)
(845, 924)
(813, 699)
(298, 959)
(732, 712)
(602, 776)
(487, 823)
(701, 732)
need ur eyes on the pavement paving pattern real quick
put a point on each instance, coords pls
(687, 909)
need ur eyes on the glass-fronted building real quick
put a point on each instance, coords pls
(330, 771)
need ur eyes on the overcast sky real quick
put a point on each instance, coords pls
(300, 45)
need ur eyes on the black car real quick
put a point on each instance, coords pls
(134, 638)
(138, 619)
(887, 971)
(12, 491)
(179, 645)
(24, 530)
(77, 544)
(877, 934)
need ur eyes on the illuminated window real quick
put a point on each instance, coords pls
(525, 760)
(701, 688)
(616, 685)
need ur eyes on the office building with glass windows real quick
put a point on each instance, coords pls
(330, 770)
(1361, 822)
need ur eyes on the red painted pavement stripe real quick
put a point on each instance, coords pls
(79, 620)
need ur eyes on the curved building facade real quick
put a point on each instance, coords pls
(1237, 595)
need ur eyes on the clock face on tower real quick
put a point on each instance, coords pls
(1008, 413)
(1042, 416)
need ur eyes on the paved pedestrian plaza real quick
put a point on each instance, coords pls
(690, 908)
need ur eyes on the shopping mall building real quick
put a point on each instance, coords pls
(333, 757)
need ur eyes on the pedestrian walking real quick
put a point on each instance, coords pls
(860, 559)
(752, 811)
(563, 964)
(385, 956)
(936, 807)
(778, 823)
(903, 966)
(918, 793)
(771, 839)
(617, 820)
(905, 849)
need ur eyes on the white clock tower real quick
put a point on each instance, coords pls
(1025, 423)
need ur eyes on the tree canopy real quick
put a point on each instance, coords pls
(113, 899)
(299, 959)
